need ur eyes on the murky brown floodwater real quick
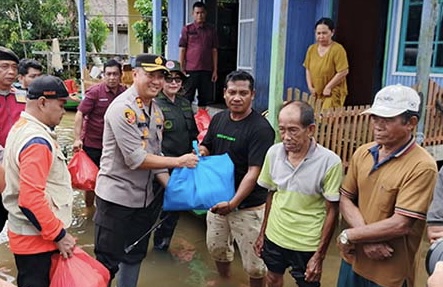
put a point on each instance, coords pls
(188, 263)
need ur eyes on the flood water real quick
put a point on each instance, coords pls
(187, 263)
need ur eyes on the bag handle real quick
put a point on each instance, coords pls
(195, 147)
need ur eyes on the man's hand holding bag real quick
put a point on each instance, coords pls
(202, 187)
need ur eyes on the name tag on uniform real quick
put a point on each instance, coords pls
(103, 100)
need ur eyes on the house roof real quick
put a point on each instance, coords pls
(106, 9)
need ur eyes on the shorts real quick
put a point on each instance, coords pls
(277, 259)
(3, 215)
(243, 227)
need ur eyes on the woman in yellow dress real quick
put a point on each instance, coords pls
(327, 66)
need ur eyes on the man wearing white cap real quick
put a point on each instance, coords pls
(385, 196)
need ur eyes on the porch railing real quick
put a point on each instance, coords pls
(343, 130)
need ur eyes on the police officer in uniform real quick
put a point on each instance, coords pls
(127, 205)
(178, 133)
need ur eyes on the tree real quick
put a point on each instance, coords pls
(143, 28)
(44, 19)
(98, 32)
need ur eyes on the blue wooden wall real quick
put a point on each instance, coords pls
(302, 15)
(176, 20)
(300, 34)
(263, 54)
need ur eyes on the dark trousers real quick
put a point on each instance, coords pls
(94, 153)
(33, 270)
(348, 278)
(202, 82)
(163, 234)
(3, 215)
(117, 227)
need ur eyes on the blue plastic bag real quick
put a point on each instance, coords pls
(202, 187)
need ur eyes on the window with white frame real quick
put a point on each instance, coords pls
(247, 35)
(409, 36)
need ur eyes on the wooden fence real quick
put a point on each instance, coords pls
(434, 116)
(343, 130)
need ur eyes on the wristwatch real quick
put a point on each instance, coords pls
(343, 237)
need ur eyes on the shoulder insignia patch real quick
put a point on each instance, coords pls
(20, 98)
(129, 116)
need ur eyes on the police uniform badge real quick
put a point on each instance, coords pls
(168, 125)
(158, 61)
(170, 65)
(145, 133)
(139, 102)
(129, 116)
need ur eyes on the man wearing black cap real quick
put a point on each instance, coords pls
(11, 104)
(179, 132)
(127, 206)
(38, 194)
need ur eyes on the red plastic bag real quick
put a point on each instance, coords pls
(83, 171)
(202, 119)
(81, 270)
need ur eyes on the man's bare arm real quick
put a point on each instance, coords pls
(78, 126)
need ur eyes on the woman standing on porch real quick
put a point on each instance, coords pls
(327, 66)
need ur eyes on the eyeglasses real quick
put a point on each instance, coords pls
(169, 80)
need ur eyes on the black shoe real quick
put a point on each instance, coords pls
(163, 245)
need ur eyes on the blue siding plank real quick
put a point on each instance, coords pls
(176, 20)
(263, 54)
(301, 21)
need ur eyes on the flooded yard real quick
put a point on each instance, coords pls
(187, 263)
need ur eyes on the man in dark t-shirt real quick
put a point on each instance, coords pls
(246, 136)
